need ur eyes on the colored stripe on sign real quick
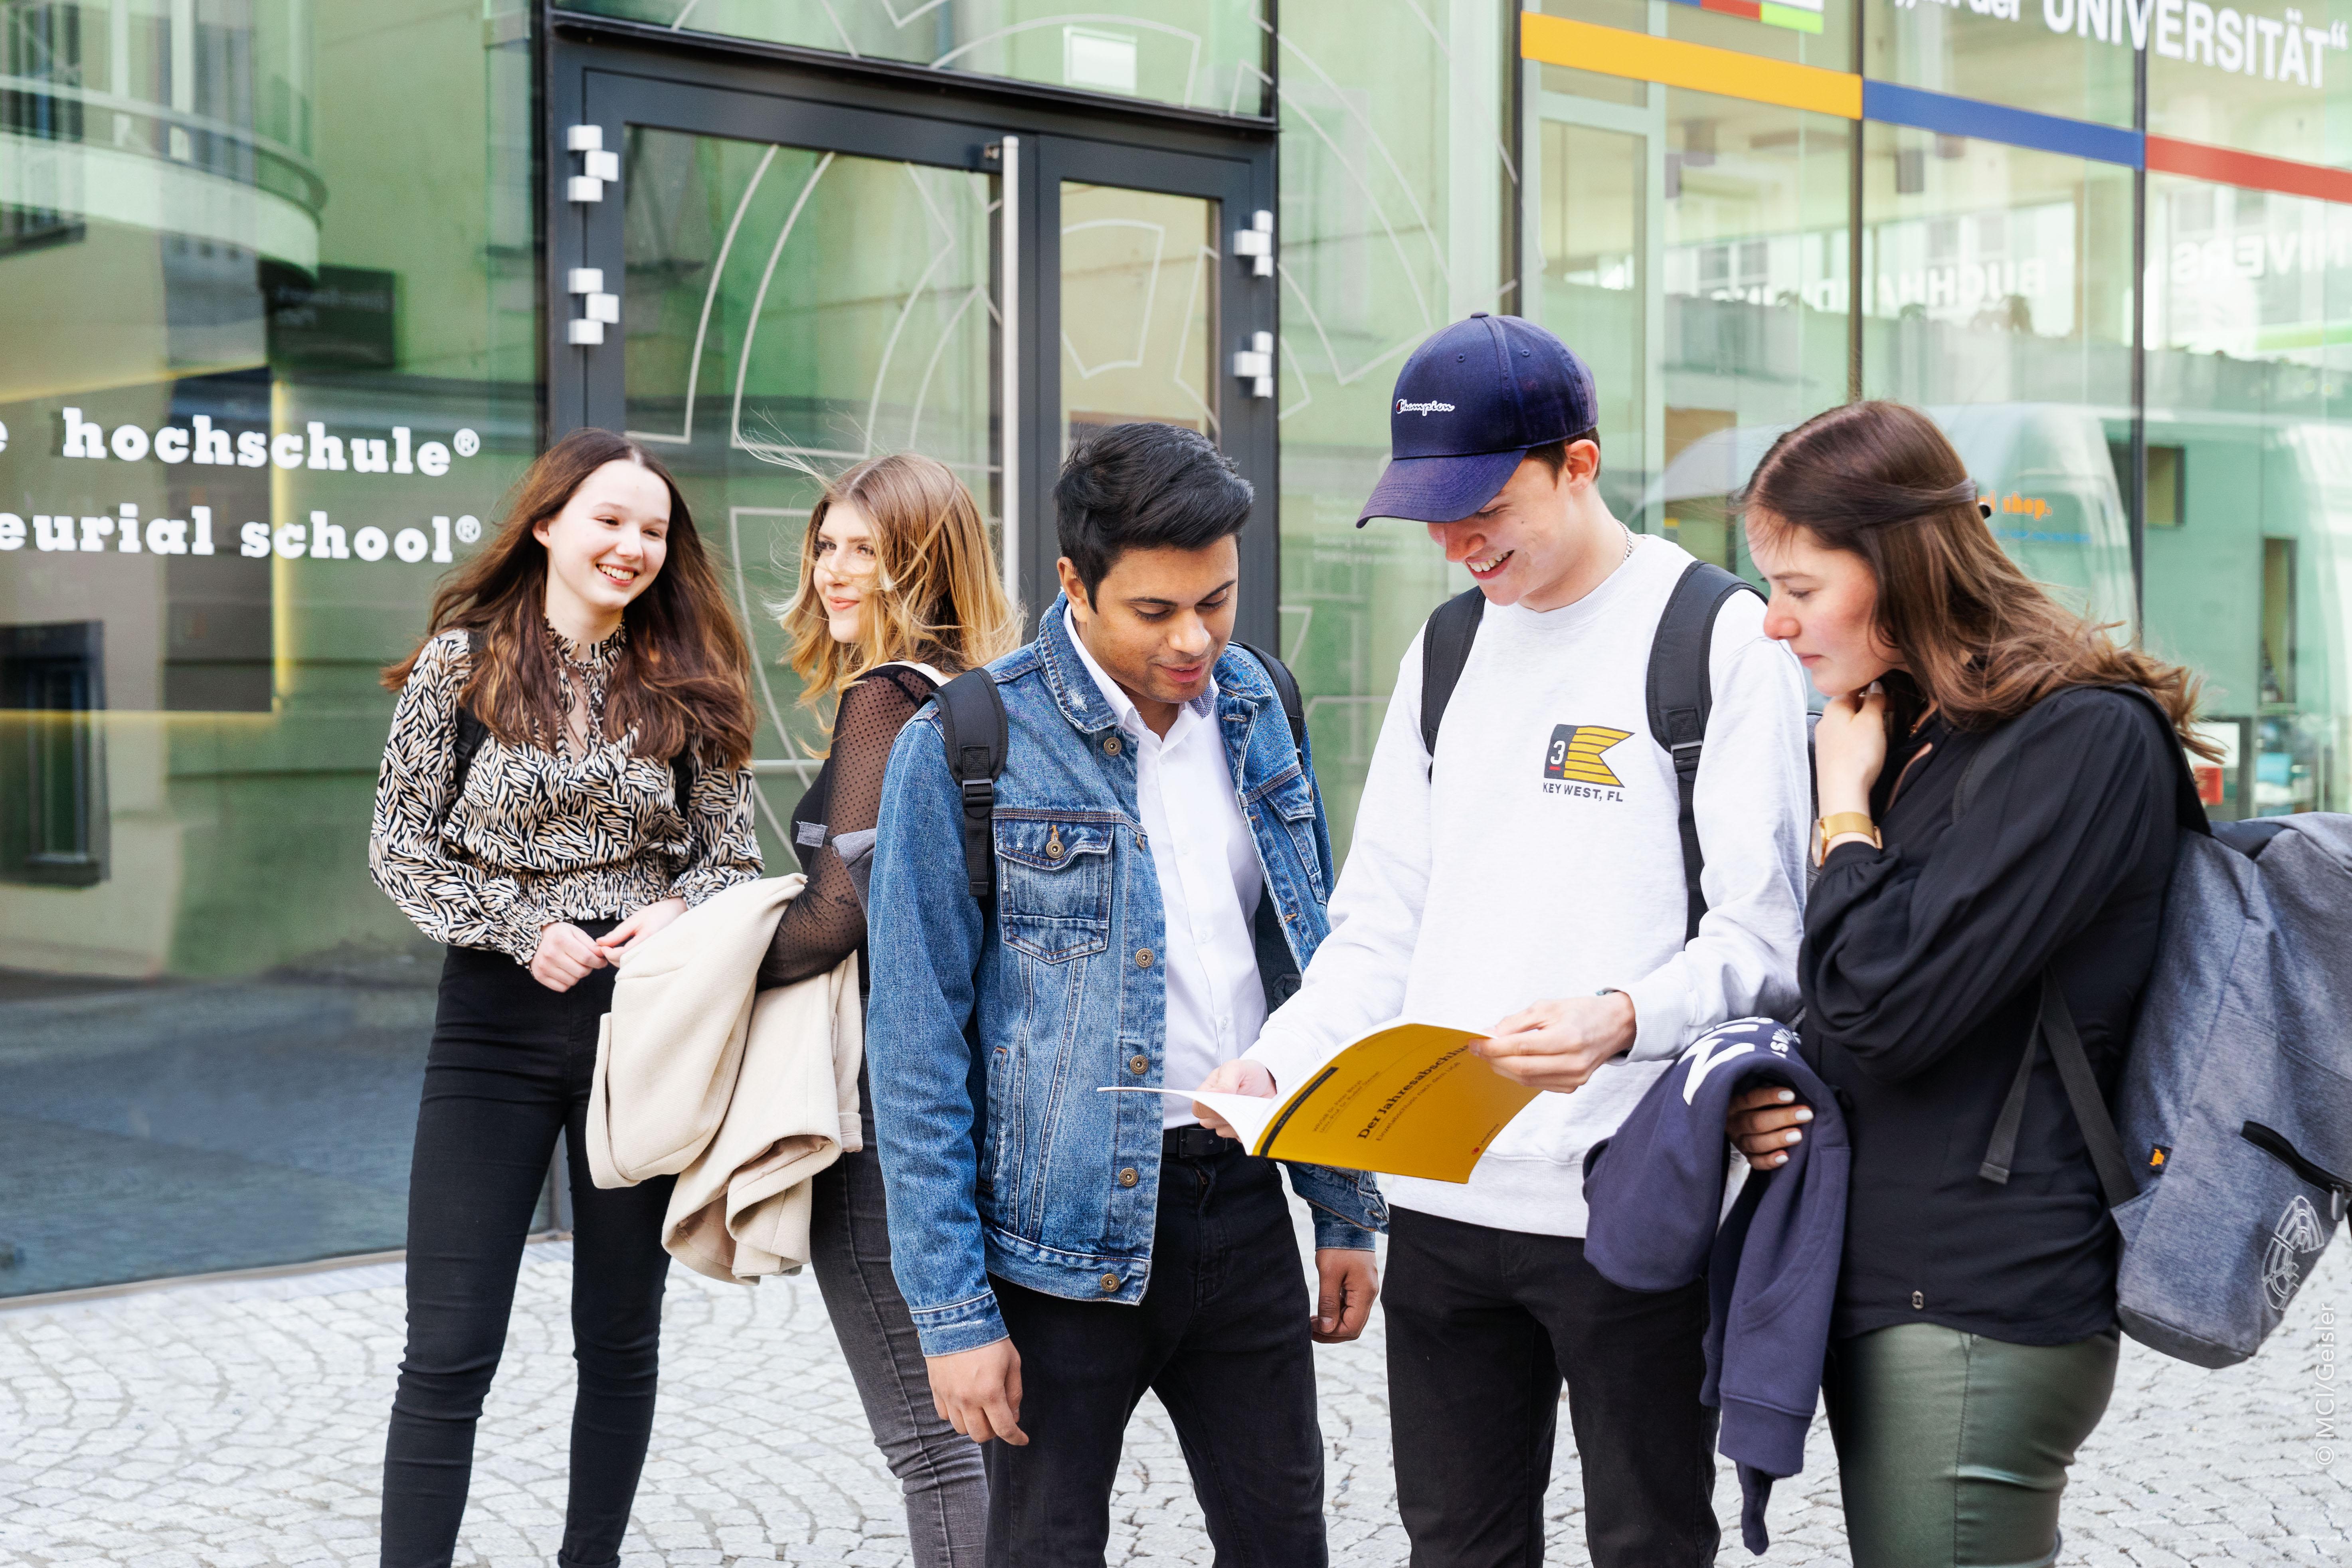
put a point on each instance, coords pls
(1798, 15)
(1612, 51)
(1730, 73)
(1949, 116)
(2224, 166)
(1794, 18)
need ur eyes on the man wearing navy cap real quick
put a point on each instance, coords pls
(1528, 880)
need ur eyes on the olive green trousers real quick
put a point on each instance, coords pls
(1953, 1448)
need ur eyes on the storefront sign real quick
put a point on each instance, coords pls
(2274, 254)
(321, 539)
(200, 441)
(2279, 48)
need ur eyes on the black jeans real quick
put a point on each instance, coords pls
(510, 1067)
(1220, 1335)
(1481, 1327)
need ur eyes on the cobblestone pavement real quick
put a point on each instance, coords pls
(241, 1424)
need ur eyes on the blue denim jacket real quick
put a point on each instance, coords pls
(988, 1035)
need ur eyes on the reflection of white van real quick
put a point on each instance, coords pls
(2056, 507)
(2043, 466)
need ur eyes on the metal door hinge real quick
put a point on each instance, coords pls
(1256, 242)
(1254, 364)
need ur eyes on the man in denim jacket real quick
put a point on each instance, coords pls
(1162, 868)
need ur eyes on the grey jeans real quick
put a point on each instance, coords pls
(938, 1467)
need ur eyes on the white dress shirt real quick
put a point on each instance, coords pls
(1209, 883)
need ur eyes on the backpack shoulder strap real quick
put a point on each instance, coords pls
(471, 733)
(1994, 754)
(2054, 1022)
(972, 727)
(1681, 691)
(930, 673)
(1445, 648)
(1286, 686)
(1989, 759)
(2187, 805)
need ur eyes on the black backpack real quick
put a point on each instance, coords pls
(972, 727)
(472, 732)
(1680, 688)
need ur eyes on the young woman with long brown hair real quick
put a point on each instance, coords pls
(1974, 1341)
(897, 584)
(587, 661)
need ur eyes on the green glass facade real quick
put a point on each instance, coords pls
(278, 317)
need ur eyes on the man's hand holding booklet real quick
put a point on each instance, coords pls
(1408, 1099)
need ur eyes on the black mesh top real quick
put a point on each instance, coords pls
(827, 923)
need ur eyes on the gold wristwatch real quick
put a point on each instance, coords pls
(1838, 822)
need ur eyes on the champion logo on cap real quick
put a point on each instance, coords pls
(1506, 387)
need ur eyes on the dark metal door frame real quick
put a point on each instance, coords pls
(609, 74)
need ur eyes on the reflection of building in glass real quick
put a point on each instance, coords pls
(233, 459)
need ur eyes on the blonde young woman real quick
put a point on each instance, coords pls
(895, 572)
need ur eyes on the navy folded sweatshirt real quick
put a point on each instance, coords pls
(1656, 1193)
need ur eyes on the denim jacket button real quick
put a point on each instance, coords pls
(1138, 1064)
(1110, 749)
(1918, 1300)
(1128, 1177)
(1143, 958)
(1110, 1282)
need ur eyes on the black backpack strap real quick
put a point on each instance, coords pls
(1286, 686)
(972, 727)
(2054, 1022)
(1445, 650)
(1989, 759)
(2188, 809)
(471, 733)
(1681, 696)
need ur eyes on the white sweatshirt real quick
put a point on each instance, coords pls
(1543, 860)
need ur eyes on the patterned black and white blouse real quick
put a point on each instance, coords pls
(584, 832)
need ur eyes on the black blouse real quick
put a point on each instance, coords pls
(1920, 969)
(827, 923)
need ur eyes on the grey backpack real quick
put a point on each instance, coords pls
(2227, 1162)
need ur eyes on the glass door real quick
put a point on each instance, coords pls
(768, 280)
(1148, 277)
(786, 313)
(1138, 284)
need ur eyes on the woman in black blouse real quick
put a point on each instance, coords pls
(895, 574)
(587, 659)
(1974, 1342)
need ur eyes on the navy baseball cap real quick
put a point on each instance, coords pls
(1469, 403)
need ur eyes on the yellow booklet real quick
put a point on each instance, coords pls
(1408, 1099)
